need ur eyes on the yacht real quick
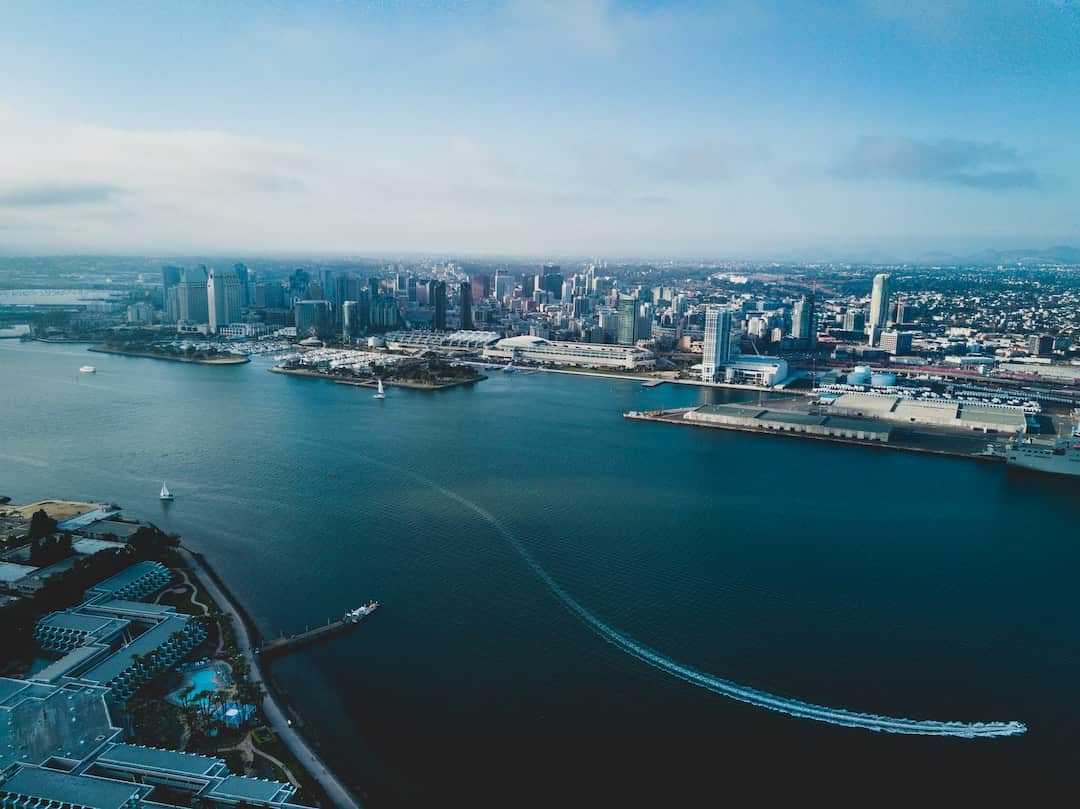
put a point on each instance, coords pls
(88, 369)
(165, 493)
(380, 393)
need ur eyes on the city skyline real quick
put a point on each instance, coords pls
(742, 130)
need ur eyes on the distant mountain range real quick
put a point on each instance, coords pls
(1062, 253)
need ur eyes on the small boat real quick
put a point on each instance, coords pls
(354, 616)
(165, 493)
(380, 393)
(88, 369)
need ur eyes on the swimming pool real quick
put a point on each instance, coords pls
(210, 677)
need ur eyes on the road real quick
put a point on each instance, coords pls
(275, 716)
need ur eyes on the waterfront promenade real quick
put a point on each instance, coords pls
(272, 710)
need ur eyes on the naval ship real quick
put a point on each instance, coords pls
(1060, 456)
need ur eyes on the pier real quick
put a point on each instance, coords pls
(289, 643)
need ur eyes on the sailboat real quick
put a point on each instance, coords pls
(380, 394)
(165, 493)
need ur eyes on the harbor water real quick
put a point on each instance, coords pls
(878, 582)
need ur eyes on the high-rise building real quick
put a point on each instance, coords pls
(438, 293)
(481, 286)
(855, 320)
(170, 298)
(385, 314)
(466, 305)
(627, 309)
(802, 321)
(401, 284)
(243, 275)
(349, 320)
(314, 318)
(896, 342)
(223, 298)
(504, 285)
(879, 300)
(192, 297)
(645, 321)
(717, 347)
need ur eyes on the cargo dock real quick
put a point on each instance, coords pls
(783, 419)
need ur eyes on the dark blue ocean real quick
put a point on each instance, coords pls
(877, 581)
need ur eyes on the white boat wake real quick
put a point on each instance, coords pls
(727, 688)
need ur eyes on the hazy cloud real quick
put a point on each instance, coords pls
(50, 194)
(965, 163)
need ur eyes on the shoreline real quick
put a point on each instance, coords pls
(233, 360)
(276, 708)
(365, 383)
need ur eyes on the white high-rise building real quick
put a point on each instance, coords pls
(222, 298)
(717, 348)
(879, 301)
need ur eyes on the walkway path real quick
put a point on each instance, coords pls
(275, 715)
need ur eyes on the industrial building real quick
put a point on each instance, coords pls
(753, 417)
(582, 355)
(937, 413)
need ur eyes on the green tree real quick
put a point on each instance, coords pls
(41, 524)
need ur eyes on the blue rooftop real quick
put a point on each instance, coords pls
(165, 760)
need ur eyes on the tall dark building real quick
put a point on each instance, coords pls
(481, 286)
(466, 305)
(439, 304)
(244, 275)
(553, 282)
(170, 297)
(373, 288)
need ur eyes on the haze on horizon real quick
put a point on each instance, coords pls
(589, 127)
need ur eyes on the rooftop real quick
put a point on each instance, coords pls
(126, 577)
(12, 573)
(84, 520)
(238, 786)
(77, 790)
(158, 759)
(147, 642)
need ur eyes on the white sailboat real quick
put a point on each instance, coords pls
(380, 393)
(165, 493)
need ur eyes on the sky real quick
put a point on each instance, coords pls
(608, 128)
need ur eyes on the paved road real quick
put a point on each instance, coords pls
(273, 713)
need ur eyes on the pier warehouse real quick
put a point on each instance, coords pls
(582, 355)
(753, 417)
(987, 418)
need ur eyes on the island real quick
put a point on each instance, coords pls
(208, 355)
(365, 369)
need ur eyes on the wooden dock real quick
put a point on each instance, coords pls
(289, 643)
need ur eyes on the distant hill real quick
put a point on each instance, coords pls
(1061, 253)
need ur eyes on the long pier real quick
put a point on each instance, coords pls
(289, 643)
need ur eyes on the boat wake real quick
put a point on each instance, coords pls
(718, 685)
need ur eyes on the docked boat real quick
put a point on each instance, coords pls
(1060, 456)
(380, 393)
(165, 493)
(356, 615)
(88, 369)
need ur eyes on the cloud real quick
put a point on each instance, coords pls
(970, 164)
(50, 194)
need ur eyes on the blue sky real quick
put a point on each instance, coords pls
(540, 127)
